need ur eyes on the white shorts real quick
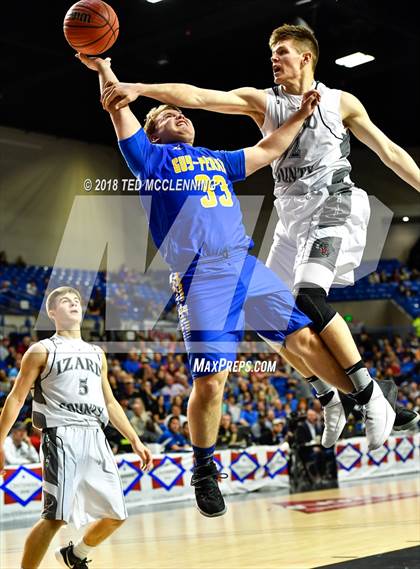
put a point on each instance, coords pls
(320, 239)
(81, 482)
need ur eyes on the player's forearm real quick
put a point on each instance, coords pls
(8, 417)
(274, 145)
(179, 94)
(120, 421)
(403, 165)
(279, 141)
(124, 121)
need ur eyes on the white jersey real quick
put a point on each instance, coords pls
(69, 390)
(317, 159)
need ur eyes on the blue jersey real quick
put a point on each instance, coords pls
(188, 196)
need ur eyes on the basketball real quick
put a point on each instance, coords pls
(91, 27)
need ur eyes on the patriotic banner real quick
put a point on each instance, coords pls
(248, 470)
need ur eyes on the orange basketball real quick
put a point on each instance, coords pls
(91, 26)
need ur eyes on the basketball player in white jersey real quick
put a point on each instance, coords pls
(72, 402)
(323, 217)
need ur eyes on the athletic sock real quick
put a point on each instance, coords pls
(359, 376)
(203, 456)
(81, 550)
(324, 391)
(320, 386)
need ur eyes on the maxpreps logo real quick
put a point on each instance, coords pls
(203, 365)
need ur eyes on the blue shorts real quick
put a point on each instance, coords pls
(216, 299)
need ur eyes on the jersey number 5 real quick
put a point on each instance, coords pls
(83, 388)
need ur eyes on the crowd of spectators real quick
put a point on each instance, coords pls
(258, 407)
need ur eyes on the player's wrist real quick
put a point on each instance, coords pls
(139, 89)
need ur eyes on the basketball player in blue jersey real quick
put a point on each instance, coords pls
(72, 402)
(321, 231)
(217, 283)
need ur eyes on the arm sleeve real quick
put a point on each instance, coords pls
(137, 151)
(234, 162)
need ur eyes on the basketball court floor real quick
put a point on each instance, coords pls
(336, 528)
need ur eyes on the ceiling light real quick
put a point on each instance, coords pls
(354, 59)
(406, 218)
(154, 1)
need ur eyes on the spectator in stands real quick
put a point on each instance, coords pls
(185, 431)
(241, 436)
(20, 262)
(279, 410)
(224, 437)
(172, 439)
(275, 435)
(132, 362)
(310, 430)
(233, 408)
(171, 388)
(18, 448)
(175, 412)
(160, 411)
(248, 416)
(31, 288)
(143, 423)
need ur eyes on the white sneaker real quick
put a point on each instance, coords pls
(334, 421)
(379, 418)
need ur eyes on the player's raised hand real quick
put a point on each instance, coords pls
(144, 453)
(119, 95)
(94, 63)
(310, 101)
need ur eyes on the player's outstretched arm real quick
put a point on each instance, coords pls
(124, 121)
(120, 421)
(243, 101)
(274, 145)
(33, 362)
(355, 118)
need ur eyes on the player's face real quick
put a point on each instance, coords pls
(173, 126)
(287, 62)
(68, 310)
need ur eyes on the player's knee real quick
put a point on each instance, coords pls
(304, 342)
(209, 387)
(312, 300)
(114, 523)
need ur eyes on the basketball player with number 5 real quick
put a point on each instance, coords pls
(72, 402)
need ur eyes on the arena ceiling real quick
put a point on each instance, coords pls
(220, 44)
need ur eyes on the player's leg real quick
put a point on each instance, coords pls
(38, 541)
(271, 311)
(281, 260)
(204, 413)
(98, 494)
(330, 395)
(337, 241)
(77, 555)
(209, 312)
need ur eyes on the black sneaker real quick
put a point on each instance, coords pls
(66, 558)
(205, 480)
(405, 419)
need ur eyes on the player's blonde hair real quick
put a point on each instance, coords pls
(56, 293)
(302, 37)
(152, 115)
